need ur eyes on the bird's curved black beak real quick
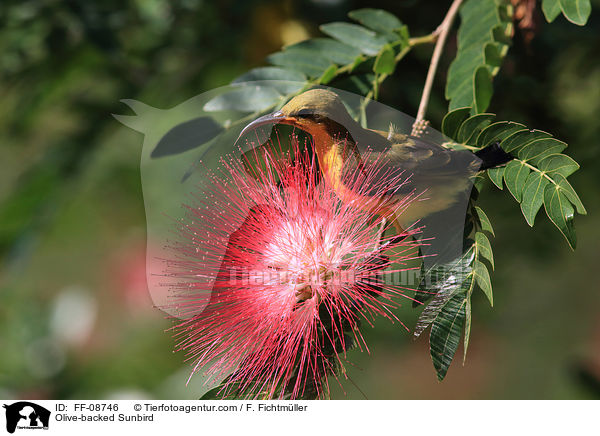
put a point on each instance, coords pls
(272, 118)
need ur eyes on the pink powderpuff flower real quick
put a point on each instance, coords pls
(273, 273)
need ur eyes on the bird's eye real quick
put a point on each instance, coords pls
(308, 114)
(304, 113)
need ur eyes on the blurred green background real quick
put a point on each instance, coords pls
(76, 320)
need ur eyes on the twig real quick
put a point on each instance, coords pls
(442, 33)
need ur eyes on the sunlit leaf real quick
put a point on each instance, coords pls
(480, 21)
(270, 73)
(376, 19)
(356, 36)
(384, 62)
(485, 222)
(482, 277)
(551, 9)
(313, 65)
(244, 98)
(328, 75)
(576, 11)
(335, 51)
(484, 247)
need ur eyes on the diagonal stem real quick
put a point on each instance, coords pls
(442, 34)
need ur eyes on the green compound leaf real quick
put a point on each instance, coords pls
(538, 161)
(485, 28)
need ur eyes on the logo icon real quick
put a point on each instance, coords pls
(26, 415)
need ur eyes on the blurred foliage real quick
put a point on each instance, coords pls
(72, 229)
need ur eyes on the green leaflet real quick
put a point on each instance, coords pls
(376, 19)
(521, 138)
(446, 332)
(551, 9)
(567, 190)
(539, 149)
(515, 176)
(484, 221)
(482, 86)
(482, 277)
(533, 195)
(270, 73)
(328, 75)
(471, 127)
(334, 51)
(384, 62)
(496, 175)
(245, 98)
(561, 213)
(365, 40)
(310, 64)
(498, 131)
(453, 120)
(576, 11)
(484, 247)
(561, 164)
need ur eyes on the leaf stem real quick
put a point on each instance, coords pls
(531, 167)
(441, 33)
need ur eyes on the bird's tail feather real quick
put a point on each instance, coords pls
(493, 156)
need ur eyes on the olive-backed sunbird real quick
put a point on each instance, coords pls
(441, 174)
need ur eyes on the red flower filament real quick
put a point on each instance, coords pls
(274, 273)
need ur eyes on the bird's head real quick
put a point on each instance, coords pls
(314, 109)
